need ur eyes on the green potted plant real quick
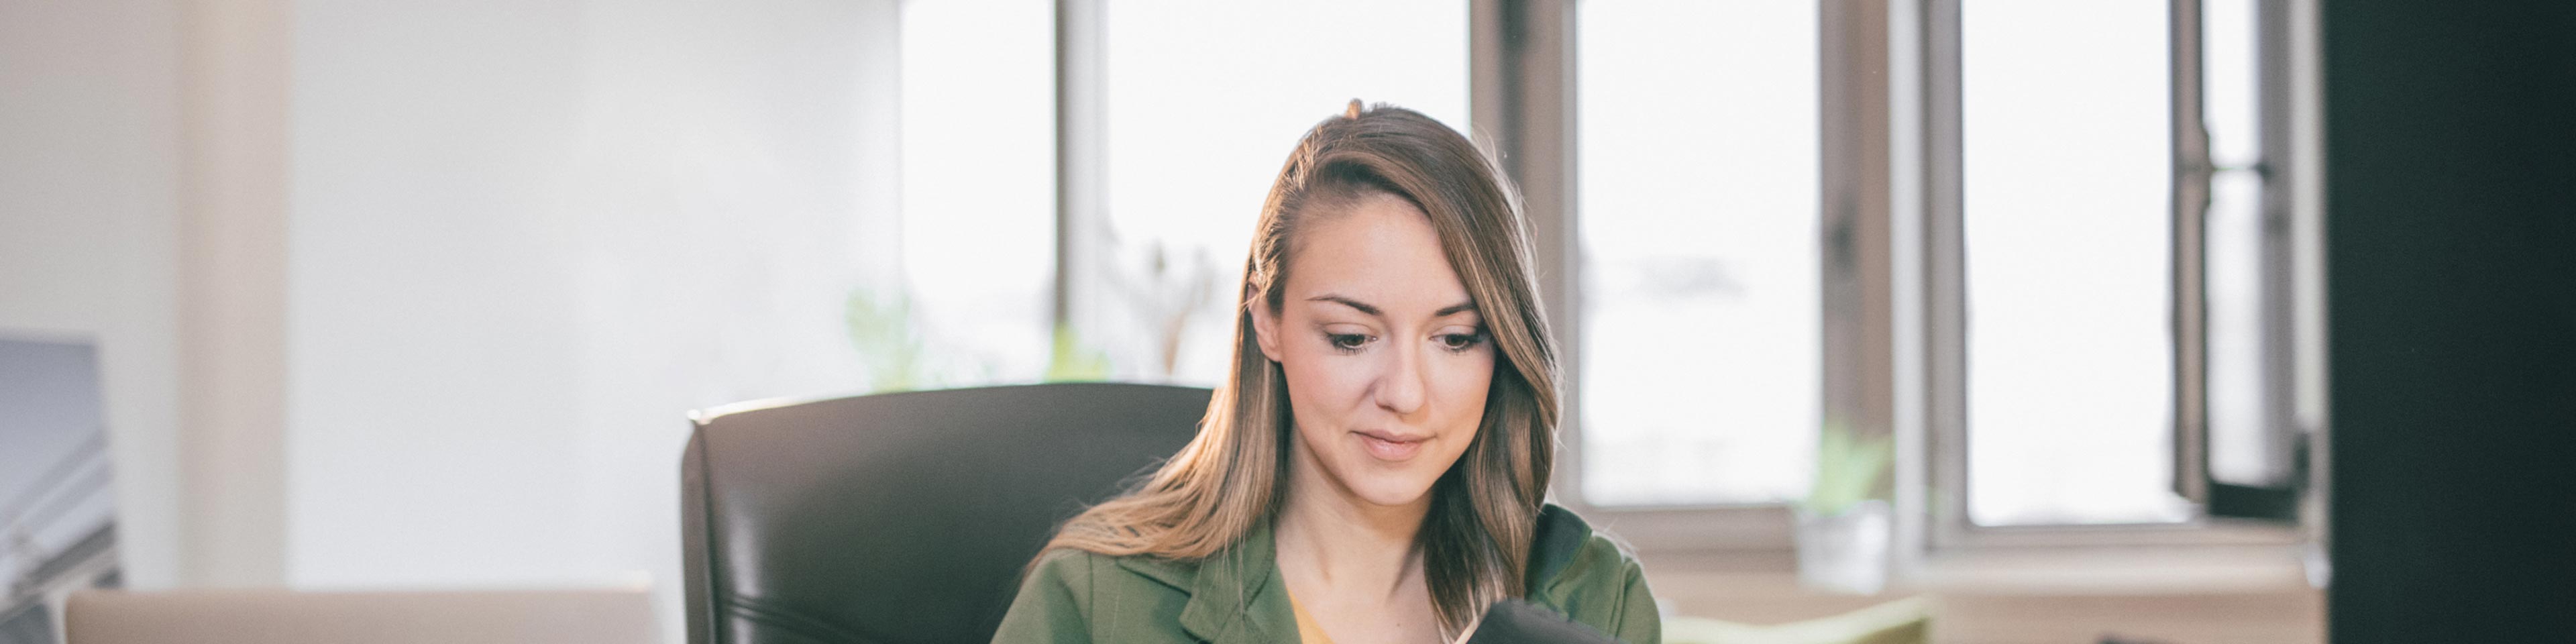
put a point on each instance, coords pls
(896, 357)
(1845, 524)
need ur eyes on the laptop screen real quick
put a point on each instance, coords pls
(57, 504)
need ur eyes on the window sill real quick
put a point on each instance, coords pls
(1763, 528)
(2093, 570)
(2030, 597)
(2014, 570)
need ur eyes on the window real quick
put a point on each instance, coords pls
(1203, 101)
(2255, 424)
(977, 90)
(2115, 278)
(1697, 225)
(2057, 250)
(2071, 136)
(2066, 163)
(1991, 214)
(1080, 178)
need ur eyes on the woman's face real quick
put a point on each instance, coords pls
(1386, 356)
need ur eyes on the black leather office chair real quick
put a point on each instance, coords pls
(903, 517)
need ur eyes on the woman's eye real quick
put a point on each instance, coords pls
(1346, 341)
(1460, 341)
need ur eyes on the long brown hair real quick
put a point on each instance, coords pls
(1484, 510)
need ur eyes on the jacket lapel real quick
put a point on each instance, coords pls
(1560, 534)
(1237, 597)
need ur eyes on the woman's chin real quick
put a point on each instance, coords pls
(1392, 493)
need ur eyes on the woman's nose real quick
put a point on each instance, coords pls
(1400, 388)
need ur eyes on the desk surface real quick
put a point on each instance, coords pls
(288, 617)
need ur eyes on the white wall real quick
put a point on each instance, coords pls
(89, 155)
(517, 241)
(432, 293)
(527, 236)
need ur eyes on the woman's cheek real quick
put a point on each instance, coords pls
(1463, 390)
(1329, 380)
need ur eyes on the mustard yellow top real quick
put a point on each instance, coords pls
(1308, 632)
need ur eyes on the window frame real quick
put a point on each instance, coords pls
(1939, 544)
(1894, 353)
(1524, 103)
(1890, 285)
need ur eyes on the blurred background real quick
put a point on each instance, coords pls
(2189, 321)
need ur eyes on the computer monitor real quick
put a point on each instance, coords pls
(57, 501)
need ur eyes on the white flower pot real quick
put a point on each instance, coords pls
(1845, 552)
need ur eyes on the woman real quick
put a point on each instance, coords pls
(1375, 468)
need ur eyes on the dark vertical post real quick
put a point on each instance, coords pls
(2450, 136)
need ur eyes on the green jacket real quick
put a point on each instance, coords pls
(1236, 597)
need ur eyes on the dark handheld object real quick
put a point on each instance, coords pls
(1516, 621)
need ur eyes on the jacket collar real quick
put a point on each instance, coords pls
(1236, 596)
(1559, 536)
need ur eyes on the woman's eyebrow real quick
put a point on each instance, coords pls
(1344, 301)
(1365, 307)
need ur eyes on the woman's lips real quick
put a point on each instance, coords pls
(1391, 447)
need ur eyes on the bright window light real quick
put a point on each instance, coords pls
(978, 114)
(2067, 233)
(1697, 135)
(1205, 100)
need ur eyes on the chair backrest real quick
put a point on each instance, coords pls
(904, 517)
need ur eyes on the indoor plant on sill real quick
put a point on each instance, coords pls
(1843, 525)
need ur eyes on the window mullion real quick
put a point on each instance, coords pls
(2190, 207)
(1854, 195)
(1522, 98)
(1943, 280)
(1081, 170)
